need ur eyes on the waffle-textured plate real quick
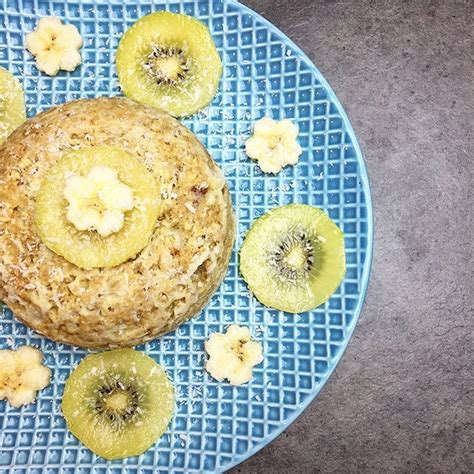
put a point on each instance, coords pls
(216, 425)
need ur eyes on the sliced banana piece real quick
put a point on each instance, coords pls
(233, 355)
(55, 46)
(274, 144)
(22, 374)
(98, 201)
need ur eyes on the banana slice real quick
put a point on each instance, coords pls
(98, 201)
(22, 374)
(55, 46)
(273, 144)
(233, 355)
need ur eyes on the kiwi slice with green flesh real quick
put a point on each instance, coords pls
(293, 258)
(12, 104)
(88, 249)
(118, 403)
(169, 61)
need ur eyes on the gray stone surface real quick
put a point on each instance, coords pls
(401, 398)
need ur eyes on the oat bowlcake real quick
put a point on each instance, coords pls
(154, 260)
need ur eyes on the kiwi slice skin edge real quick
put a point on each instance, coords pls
(182, 50)
(12, 104)
(118, 403)
(293, 258)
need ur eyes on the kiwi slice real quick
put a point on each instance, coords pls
(118, 403)
(88, 249)
(293, 258)
(12, 104)
(169, 60)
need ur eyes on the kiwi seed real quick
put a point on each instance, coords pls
(167, 65)
(294, 257)
(117, 401)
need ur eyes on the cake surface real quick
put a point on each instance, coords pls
(168, 282)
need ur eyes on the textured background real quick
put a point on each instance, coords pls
(401, 399)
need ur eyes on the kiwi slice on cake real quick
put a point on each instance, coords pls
(87, 248)
(118, 403)
(293, 258)
(169, 60)
(12, 104)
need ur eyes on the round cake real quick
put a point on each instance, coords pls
(166, 282)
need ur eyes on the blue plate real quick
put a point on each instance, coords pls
(216, 425)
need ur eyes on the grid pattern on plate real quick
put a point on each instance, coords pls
(215, 425)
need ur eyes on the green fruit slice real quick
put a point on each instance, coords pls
(293, 258)
(88, 249)
(12, 104)
(118, 403)
(168, 60)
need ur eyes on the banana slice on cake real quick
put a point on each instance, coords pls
(98, 201)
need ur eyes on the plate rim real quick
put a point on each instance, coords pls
(367, 266)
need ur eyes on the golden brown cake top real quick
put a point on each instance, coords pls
(175, 269)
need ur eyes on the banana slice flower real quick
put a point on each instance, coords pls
(274, 144)
(233, 355)
(98, 201)
(22, 374)
(55, 46)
